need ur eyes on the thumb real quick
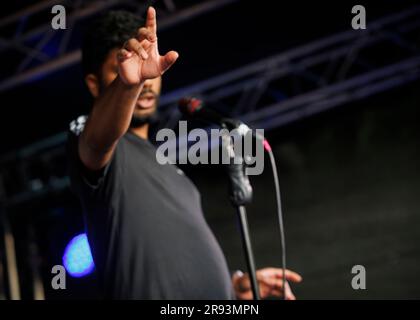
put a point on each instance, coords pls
(289, 293)
(168, 60)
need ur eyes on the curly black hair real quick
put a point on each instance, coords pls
(107, 32)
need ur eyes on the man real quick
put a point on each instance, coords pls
(145, 225)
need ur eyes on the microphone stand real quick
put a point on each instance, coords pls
(240, 195)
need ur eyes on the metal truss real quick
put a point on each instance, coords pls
(320, 75)
(28, 43)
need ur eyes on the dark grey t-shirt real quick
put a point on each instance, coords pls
(146, 228)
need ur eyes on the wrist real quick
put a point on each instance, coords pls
(129, 86)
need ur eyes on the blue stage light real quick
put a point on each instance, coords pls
(77, 258)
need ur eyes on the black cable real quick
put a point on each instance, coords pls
(279, 214)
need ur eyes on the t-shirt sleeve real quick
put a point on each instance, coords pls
(82, 180)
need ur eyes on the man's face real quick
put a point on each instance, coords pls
(148, 99)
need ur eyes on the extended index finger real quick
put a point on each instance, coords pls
(151, 20)
(290, 275)
(278, 273)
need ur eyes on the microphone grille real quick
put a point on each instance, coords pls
(190, 106)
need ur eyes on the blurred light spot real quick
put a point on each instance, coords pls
(77, 258)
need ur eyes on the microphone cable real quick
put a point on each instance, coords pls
(270, 152)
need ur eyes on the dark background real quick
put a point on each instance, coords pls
(350, 189)
(349, 177)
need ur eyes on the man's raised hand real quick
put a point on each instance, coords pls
(139, 59)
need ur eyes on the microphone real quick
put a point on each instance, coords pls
(194, 108)
(240, 188)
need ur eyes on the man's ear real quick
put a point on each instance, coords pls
(92, 83)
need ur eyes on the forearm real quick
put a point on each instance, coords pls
(108, 121)
(111, 114)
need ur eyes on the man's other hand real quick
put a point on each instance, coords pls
(270, 282)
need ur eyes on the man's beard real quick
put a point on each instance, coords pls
(138, 121)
